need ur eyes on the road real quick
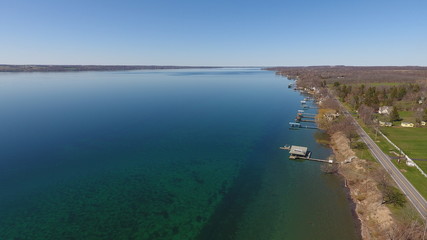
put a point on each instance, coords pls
(411, 193)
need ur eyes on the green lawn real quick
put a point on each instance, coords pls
(413, 141)
(364, 154)
(414, 176)
(411, 173)
(407, 116)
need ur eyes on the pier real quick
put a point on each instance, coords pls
(297, 125)
(306, 115)
(300, 119)
(300, 152)
(308, 107)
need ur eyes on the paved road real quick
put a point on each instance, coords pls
(413, 195)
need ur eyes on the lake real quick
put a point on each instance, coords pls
(164, 154)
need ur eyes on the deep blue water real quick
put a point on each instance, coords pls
(168, 154)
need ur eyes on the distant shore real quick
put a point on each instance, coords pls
(81, 68)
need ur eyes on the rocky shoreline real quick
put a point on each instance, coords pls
(371, 222)
(375, 218)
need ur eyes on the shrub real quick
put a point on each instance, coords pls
(359, 145)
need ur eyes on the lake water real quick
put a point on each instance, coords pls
(168, 154)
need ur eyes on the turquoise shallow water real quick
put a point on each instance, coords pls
(171, 154)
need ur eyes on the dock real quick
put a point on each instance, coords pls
(308, 107)
(300, 119)
(302, 115)
(302, 153)
(305, 113)
(314, 159)
(296, 125)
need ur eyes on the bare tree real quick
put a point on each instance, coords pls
(366, 114)
(331, 104)
(408, 230)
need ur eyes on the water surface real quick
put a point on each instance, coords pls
(168, 154)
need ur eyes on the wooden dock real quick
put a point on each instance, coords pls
(296, 125)
(313, 159)
(305, 113)
(302, 115)
(308, 107)
(299, 119)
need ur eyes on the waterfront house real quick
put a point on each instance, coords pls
(385, 110)
(331, 116)
(407, 124)
(385, 124)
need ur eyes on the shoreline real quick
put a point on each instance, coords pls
(383, 210)
(346, 188)
(372, 221)
(359, 225)
(353, 205)
(90, 68)
(376, 219)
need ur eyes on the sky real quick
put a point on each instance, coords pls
(214, 33)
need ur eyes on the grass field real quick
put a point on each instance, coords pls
(411, 173)
(364, 154)
(413, 141)
(407, 116)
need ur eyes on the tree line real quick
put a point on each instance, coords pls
(368, 99)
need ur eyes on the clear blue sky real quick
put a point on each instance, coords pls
(225, 33)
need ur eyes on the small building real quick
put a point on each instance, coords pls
(385, 124)
(385, 110)
(423, 123)
(407, 124)
(298, 152)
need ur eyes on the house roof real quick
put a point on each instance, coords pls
(298, 150)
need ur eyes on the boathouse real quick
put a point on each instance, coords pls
(298, 151)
